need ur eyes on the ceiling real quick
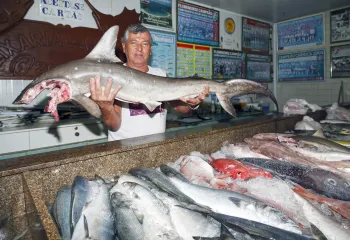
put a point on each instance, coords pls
(275, 10)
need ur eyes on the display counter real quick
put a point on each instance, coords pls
(30, 183)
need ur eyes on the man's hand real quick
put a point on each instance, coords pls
(103, 98)
(194, 102)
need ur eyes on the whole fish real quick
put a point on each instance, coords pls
(96, 220)
(341, 207)
(161, 181)
(227, 235)
(275, 150)
(236, 169)
(70, 82)
(320, 156)
(337, 136)
(233, 204)
(62, 211)
(275, 136)
(252, 227)
(80, 188)
(126, 223)
(240, 150)
(321, 142)
(335, 128)
(129, 178)
(279, 151)
(279, 196)
(331, 229)
(186, 222)
(156, 222)
(193, 167)
(319, 180)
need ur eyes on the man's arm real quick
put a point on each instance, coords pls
(110, 108)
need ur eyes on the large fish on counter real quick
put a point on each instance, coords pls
(70, 82)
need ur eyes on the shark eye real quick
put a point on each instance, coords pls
(332, 182)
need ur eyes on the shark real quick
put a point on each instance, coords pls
(71, 82)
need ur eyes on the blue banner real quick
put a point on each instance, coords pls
(302, 32)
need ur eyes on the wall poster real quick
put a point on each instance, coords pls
(340, 61)
(163, 51)
(228, 64)
(157, 13)
(340, 25)
(230, 31)
(193, 59)
(308, 31)
(197, 24)
(301, 66)
(255, 36)
(258, 67)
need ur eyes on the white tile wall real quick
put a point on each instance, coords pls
(321, 93)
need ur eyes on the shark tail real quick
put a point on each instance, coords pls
(240, 87)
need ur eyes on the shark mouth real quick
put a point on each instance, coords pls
(59, 92)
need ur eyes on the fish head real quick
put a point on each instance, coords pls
(331, 184)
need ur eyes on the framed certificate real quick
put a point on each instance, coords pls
(197, 24)
(302, 32)
(301, 66)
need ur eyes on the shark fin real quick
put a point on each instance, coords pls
(151, 105)
(89, 105)
(105, 48)
(225, 102)
(239, 87)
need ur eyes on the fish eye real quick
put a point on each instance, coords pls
(284, 218)
(332, 182)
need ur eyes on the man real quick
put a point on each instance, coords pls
(126, 120)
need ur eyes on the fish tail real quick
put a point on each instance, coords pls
(239, 87)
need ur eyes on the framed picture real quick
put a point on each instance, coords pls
(301, 66)
(230, 31)
(258, 67)
(193, 59)
(163, 51)
(255, 36)
(228, 64)
(197, 24)
(340, 61)
(157, 13)
(302, 32)
(340, 25)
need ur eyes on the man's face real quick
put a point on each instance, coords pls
(138, 48)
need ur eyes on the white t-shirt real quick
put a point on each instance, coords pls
(137, 120)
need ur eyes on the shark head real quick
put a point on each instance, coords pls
(59, 85)
(59, 92)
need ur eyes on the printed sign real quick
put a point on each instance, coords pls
(193, 59)
(163, 52)
(67, 9)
